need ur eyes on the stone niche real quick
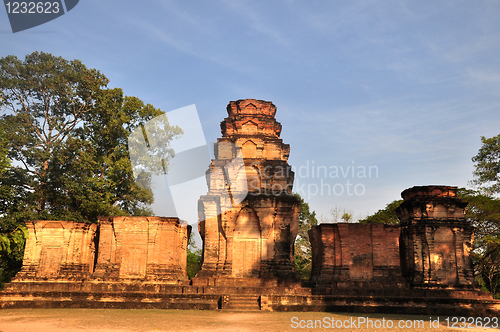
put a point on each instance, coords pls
(436, 240)
(251, 239)
(142, 248)
(58, 250)
(355, 255)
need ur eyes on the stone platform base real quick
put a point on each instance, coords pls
(164, 296)
(389, 305)
(273, 284)
(402, 291)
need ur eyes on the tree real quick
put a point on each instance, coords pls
(11, 241)
(11, 253)
(68, 143)
(487, 166)
(68, 137)
(5, 190)
(483, 212)
(302, 251)
(194, 257)
(487, 266)
(386, 215)
(4, 160)
(339, 214)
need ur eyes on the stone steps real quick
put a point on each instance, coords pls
(246, 302)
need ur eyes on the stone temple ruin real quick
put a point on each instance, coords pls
(421, 266)
(428, 251)
(253, 239)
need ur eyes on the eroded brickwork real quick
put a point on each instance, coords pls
(142, 248)
(355, 255)
(58, 250)
(253, 238)
(118, 249)
(430, 249)
(436, 239)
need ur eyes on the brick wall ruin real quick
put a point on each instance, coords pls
(436, 240)
(430, 248)
(58, 250)
(144, 248)
(117, 249)
(355, 255)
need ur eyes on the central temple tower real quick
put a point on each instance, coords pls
(249, 217)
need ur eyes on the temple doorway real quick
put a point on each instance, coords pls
(247, 244)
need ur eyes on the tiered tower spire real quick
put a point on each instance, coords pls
(249, 218)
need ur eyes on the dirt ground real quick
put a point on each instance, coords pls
(116, 320)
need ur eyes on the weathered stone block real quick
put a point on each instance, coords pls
(436, 239)
(346, 255)
(58, 250)
(248, 247)
(142, 248)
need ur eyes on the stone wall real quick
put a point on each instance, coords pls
(58, 250)
(254, 240)
(117, 249)
(355, 255)
(142, 248)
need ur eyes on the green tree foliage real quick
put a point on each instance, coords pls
(483, 212)
(4, 160)
(11, 241)
(303, 252)
(68, 143)
(6, 192)
(487, 166)
(68, 136)
(11, 252)
(384, 216)
(487, 266)
(194, 257)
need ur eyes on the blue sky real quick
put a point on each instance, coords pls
(404, 86)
